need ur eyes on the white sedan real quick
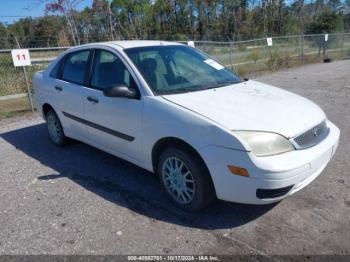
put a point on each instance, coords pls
(173, 110)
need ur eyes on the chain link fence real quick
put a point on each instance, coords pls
(245, 57)
(252, 56)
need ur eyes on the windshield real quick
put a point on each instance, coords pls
(178, 69)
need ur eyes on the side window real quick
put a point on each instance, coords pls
(109, 71)
(75, 66)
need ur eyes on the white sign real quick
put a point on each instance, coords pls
(20, 57)
(190, 43)
(326, 37)
(269, 41)
(213, 64)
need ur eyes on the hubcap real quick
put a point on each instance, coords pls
(178, 180)
(54, 128)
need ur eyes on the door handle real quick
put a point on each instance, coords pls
(58, 88)
(92, 99)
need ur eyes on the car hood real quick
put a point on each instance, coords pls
(253, 106)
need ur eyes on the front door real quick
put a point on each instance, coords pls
(114, 123)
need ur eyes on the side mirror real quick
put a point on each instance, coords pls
(120, 91)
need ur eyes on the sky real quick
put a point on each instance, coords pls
(13, 10)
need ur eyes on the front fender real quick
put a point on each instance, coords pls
(162, 119)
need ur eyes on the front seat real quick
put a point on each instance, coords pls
(153, 77)
(110, 74)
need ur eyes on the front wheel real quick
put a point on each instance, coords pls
(185, 179)
(55, 129)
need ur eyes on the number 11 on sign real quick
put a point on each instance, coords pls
(21, 57)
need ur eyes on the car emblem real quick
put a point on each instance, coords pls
(317, 131)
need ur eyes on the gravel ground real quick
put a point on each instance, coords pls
(79, 200)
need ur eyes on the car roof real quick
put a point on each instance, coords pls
(128, 44)
(141, 43)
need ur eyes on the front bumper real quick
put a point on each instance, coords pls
(294, 169)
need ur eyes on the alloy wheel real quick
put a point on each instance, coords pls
(178, 180)
(54, 128)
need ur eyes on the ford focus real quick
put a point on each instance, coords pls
(173, 110)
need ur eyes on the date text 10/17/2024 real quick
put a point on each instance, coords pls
(173, 258)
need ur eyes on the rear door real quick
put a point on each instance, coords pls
(114, 123)
(70, 88)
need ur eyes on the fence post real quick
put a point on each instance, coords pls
(26, 80)
(302, 47)
(324, 46)
(342, 45)
(270, 52)
(231, 62)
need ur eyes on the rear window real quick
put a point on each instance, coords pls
(75, 67)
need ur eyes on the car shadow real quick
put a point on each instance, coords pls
(123, 183)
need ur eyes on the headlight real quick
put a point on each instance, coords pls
(264, 143)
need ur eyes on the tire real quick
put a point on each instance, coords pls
(55, 129)
(180, 170)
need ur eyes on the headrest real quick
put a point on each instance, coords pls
(149, 64)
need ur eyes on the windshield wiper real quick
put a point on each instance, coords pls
(183, 90)
(221, 85)
(180, 90)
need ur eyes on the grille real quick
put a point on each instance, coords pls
(313, 136)
(272, 193)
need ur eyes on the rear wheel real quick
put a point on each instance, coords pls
(185, 179)
(55, 129)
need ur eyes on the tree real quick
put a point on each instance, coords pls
(3, 36)
(326, 22)
(3, 31)
(67, 9)
(47, 30)
(179, 20)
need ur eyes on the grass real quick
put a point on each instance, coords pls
(12, 78)
(263, 66)
(14, 107)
